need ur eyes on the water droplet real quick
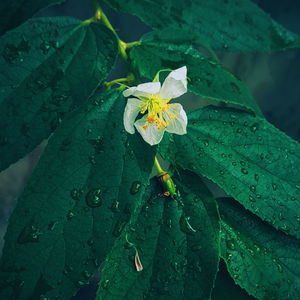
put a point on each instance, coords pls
(30, 234)
(13, 53)
(206, 143)
(75, 194)
(45, 47)
(279, 267)
(239, 130)
(274, 186)
(70, 214)
(256, 177)
(254, 127)
(135, 187)
(244, 171)
(252, 188)
(90, 242)
(94, 198)
(221, 172)
(251, 251)
(86, 274)
(105, 284)
(80, 283)
(92, 159)
(115, 206)
(69, 268)
(230, 244)
(252, 199)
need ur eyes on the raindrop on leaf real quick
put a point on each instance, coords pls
(30, 234)
(75, 194)
(135, 187)
(244, 171)
(94, 198)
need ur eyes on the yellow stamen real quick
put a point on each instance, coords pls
(155, 106)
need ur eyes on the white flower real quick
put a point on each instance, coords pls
(152, 100)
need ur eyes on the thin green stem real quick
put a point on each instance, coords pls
(158, 167)
(101, 16)
(133, 44)
(129, 78)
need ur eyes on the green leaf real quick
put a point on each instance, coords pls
(172, 48)
(48, 67)
(227, 25)
(15, 12)
(248, 158)
(226, 289)
(177, 243)
(81, 195)
(264, 261)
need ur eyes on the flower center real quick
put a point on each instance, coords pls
(158, 113)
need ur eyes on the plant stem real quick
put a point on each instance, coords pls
(158, 167)
(101, 16)
(129, 78)
(133, 44)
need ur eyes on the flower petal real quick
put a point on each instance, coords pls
(144, 89)
(150, 134)
(131, 111)
(177, 125)
(175, 84)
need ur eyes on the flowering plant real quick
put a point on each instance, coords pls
(126, 184)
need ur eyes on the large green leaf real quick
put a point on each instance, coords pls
(48, 66)
(14, 12)
(88, 182)
(177, 243)
(227, 24)
(172, 48)
(226, 289)
(264, 261)
(246, 156)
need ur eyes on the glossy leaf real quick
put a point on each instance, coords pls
(48, 67)
(227, 24)
(15, 12)
(226, 289)
(172, 48)
(177, 243)
(81, 195)
(264, 261)
(248, 158)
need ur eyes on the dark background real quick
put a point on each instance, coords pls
(274, 80)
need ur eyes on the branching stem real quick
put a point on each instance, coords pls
(101, 16)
